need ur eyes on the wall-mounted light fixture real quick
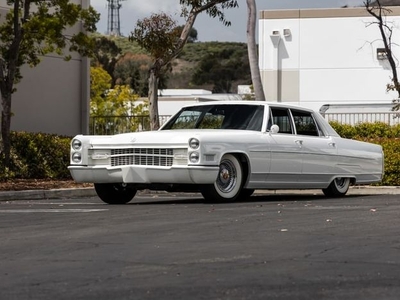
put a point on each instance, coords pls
(381, 54)
(275, 33)
(275, 37)
(287, 32)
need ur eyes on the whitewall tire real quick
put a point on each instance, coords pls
(338, 187)
(229, 183)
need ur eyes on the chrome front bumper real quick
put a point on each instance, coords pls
(145, 174)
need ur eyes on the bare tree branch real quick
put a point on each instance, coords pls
(379, 13)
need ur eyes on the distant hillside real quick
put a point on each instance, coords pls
(217, 66)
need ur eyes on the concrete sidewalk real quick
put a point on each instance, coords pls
(90, 192)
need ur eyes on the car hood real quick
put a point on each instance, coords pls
(170, 138)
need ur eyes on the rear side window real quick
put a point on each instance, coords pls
(305, 123)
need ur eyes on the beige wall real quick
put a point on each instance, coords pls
(273, 82)
(54, 96)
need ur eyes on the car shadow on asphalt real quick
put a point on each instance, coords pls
(197, 199)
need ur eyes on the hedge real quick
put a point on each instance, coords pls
(38, 156)
(46, 156)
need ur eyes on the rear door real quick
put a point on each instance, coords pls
(319, 152)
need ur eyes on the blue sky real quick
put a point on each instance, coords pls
(208, 29)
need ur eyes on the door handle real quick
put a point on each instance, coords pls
(299, 142)
(332, 145)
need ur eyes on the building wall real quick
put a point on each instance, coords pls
(54, 96)
(325, 56)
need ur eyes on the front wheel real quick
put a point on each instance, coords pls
(114, 193)
(246, 193)
(338, 187)
(229, 182)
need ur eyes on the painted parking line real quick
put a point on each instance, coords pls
(50, 210)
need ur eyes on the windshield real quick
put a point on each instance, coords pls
(239, 117)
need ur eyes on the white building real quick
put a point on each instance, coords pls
(171, 101)
(325, 56)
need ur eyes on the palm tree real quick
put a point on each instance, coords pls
(252, 50)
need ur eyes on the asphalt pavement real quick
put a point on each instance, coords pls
(90, 192)
(176, 246)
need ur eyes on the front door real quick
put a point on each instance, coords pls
(286, 151)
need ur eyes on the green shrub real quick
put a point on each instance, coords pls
(38, 156)
(371, 130)
(391, 149)
(344, 130)
(367, 130)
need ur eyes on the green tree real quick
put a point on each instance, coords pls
(222, 67)
(133, 70)
(112, 108)
(106, 55)
(32, 29)
(156, 34)
(100, 84)
(192, 34)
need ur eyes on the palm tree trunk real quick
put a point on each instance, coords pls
(252, 50)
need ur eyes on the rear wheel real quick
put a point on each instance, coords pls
(114, 193)
(338, 187)
(228, 185)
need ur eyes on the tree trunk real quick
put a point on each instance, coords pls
(5, 127)
(8, 70)
(153, 99)
(252, 50)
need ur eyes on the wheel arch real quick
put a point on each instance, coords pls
(245, 163)
(353, 178)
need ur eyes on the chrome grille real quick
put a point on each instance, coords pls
(142, 157)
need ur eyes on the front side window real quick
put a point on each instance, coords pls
(186, 120)
(280, 117)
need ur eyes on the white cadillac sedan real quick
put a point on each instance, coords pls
(226, 150)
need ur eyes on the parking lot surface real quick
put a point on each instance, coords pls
(175, 246)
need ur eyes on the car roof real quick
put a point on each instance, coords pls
(248, 102)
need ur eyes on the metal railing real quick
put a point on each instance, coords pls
(109, 125)
(390, 118)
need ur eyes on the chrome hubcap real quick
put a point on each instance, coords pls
(340, 182)
(226, 180)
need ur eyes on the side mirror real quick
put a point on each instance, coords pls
(274, 128)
